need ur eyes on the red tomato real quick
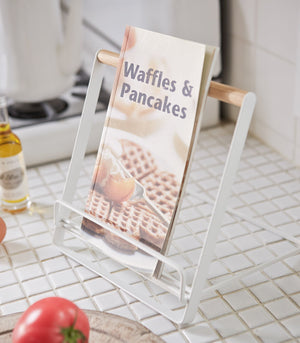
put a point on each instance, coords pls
(2, 229)
(52, 320)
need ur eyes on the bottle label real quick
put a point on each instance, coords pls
(13, 178)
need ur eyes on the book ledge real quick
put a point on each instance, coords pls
(186, 282)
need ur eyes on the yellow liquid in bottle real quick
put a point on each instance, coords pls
(10, 145)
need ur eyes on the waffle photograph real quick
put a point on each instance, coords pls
(132, 194)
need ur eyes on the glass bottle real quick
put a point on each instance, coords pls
(13, 177)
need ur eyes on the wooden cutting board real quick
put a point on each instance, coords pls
(105, 328)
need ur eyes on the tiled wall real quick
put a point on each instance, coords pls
(261, 38)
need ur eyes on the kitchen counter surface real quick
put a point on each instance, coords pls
(263, 307)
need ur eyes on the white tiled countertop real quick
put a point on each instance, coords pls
(262, 307)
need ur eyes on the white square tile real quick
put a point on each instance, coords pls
(159, 325)
(142, 311)
(292, 324)
(36, 297)
(286, 202)
(213, 308)
(248, 174)
(260, 182)
(85, 273)
(16, 246)
(199, 225)
(40, 240)
(23, 258)
(240, 300)
(109, 300)
(55, 264)
(36, 286)
(216, 269)
(289, 284)
(47, 169)
(38, 192)
(231, 286)
(14, 307)
(291, 187)
(254, 279)
(266, 291)
(246, 242)
(180, 231)
(173, 337)
(282, 308)
(188, 243)
(241, 187)
(28, 272)
(7, 278)
(11, 293)
(13, 234)
(225, 249)
(128, 298)
(53, 177)
(189, 214)
(4, 264)
(98, 285)
(234, 230)
(272, 192)
(169, 300)
(281, 177)
(237, 262)
(268, 237)
(294, 262)
(274, 333)
(72, 292)
(277, 270)
(235, 202)
(264, 208)
(244, 338)
(256, 316)
(294, 213)
(86, 304)
(256, 161)
(202, 333)
(123, 312)
(63, 278)
(47, 252)
(228, 325)
(34, 228)
(281, 247)
(252, 197)
(34, 182)
(129, 276)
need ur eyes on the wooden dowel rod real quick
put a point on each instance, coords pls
(108, 57)
(225, 93)
(220, 91)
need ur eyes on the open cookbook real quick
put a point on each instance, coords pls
(148, 139)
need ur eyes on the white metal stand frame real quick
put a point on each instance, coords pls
(188, 296)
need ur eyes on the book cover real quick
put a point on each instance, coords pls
(147, 142)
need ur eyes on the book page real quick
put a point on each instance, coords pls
(141, 166)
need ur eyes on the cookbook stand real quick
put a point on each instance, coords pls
(185, 285)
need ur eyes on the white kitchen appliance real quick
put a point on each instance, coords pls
(40, 48)
(47, 127)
